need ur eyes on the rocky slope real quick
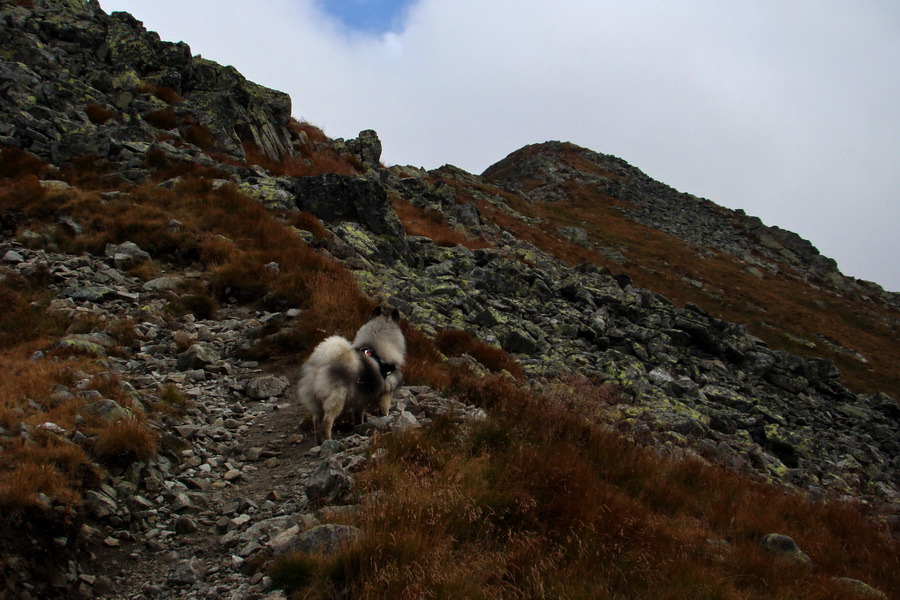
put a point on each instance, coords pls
(235, 471)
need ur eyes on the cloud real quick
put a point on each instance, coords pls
(787, 110)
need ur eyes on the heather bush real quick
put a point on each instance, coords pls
(122, 442)
(99, 114)
(454, 342)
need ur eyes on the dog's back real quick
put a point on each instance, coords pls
(327, 379)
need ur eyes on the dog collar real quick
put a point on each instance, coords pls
(385, 368)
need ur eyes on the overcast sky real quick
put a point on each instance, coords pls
(789, 110)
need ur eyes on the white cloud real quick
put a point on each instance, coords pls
(787, 110)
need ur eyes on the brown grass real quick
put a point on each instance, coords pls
(433, 225)
(164, 118)
(453, 342)
(15, 162)
(125, 441)
(163, 92)
(308, 162)
(314, 134)
(24, 315)
(541, 501)
(99, 114)
(200, 136)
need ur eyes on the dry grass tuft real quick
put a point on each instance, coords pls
(163, 118)
(172, 401)
(200, 136)
(453, 342)
(163, 92)
(125, 441)
(314, 134)
(99, 114)
(433, 225)
(311, 160)
(15, 162)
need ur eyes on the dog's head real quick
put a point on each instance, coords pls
(383, 335)
(384, 312)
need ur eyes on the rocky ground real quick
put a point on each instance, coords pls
(238, 478)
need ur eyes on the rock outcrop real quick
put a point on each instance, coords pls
(78, 82)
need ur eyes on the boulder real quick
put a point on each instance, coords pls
(324, 539)
(262, 388)
(784, 547)
(197, 357)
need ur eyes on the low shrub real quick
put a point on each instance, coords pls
(123, 442)
(15, 162)
(454, 342)
(163, 118)
(99, 114)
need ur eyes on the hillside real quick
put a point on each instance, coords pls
(614, 389)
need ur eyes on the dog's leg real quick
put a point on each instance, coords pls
(384, 403)
(317, 429)
(391, 384)
(332, 408)
(327, 424)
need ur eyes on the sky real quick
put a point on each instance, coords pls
(787, 110)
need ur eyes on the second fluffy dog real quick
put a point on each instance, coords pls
(340, 375)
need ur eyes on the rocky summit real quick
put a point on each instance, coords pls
(726, 340)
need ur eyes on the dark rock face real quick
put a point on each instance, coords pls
(341, 200)
(79, 82)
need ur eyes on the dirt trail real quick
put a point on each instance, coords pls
(202, 563)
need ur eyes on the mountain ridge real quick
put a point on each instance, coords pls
(169, 207)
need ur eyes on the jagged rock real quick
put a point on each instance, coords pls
(329, 483)
(103, 60)
(324, 539)
(187, 572)
(105, 409)
(239, 110)
(367, 147)
(197, 357)
(862, 589)
(126, 255)
(162, 284)
(93, 293)
(334, 198)
(82, 346)
(11, 256)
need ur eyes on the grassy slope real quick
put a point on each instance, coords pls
(538, 500)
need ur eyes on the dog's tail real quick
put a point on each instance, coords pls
(338, 352)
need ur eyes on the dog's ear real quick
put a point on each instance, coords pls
(395, 315)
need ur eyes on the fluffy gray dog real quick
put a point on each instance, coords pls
(341, 375)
